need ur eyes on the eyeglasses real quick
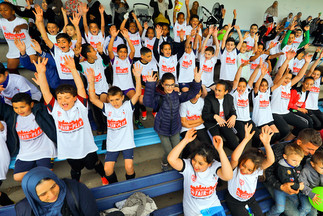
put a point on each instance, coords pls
(170, 85)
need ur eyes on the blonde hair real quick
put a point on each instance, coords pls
(293, 148)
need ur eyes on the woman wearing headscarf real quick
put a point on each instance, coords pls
(48, 195)
(272, 11)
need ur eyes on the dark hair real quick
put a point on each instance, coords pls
(205, 150)
(255, 155)
(42, 180)
(3, 69)
(165, 24)
(12, 7)
(70, 24)
(308, 78)
(115, 90)
(149, 28)
(162, 45)
(298, 30)
(264, 80)
(194, 16)
(292, 32)
(64, 35)
(319, 68)
(180, 13)
(66, 88)
(22, 97)
(144, 51)
(243, 80)
(317, 157)
(310, 135)
(93, 22)
(122, 46)
(167, 76)
(223, 82)
(85, 49)
(230, 39)
(261, 44)
(210, 49)
(253, 25)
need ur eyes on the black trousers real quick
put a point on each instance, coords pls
(230, 137)
(239, 126)
(317, 117)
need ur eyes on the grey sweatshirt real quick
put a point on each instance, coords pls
(311, 179)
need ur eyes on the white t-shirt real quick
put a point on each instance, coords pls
(120, 134)
(63, 72)
(282, 58)
(297, 65)
(188, 32)
(192, 112)
(261, 113)
(280, 99)
(255, 63)
(298, 40)
(313, 97)
(167, 65)
(199, 188)
(241, 104)
(186, 68)
(207, 67)
(243, 187)
(221, 111)
(34, 143)
(16, 84)
(4, 153)
(136, 42)
(74, 135)
(95, 39)
(75, 41)
(149, 43)
(228, 67)
(52, 38)
(100, 82)
(177, 29)
(122, 73)
(243, 58)
(148, 68)
(250, 42)
(7, 28)
(117, 41)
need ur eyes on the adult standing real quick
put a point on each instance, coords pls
(160, 9)
(93, 15)
(309, 140)
(272, 11)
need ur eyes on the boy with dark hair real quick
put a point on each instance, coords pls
(75, 140)
(250, 40)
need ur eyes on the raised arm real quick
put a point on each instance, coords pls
(140, 29)
(41, 27)
(125, 35)
(211, 28)
(280, 81)
(263, 73)
(225, 172)
(188, 13)
(114, 34)
(136, 70)
(265, 137)
(226, 36)
(289, 55)
(254, 75)
(91, 80)
(65, 19)
(123, 24)
(240, 36)
(238, 75)
(216, 41)
(306, 38)
(75, 21)
(159, 32)
(317, 61)
(174, 12)
(101, 9)
(85, 9)
(301, 73)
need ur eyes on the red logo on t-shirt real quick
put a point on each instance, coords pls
(199, 191)
(222, 114)
(285, 95)
(249, 47)
(264, 103)
(296, 69)
(168, 69)
(59, 114)
(193, 117)
(11, 36)
(117, 124)
(120, 70)
(186, 64)
(98, 77)
(205, 68)
(244, 194)
(64, 68)
(135, 42)
(150, 46)
(253, 66)
(115, 49)
(315, 89)
(230, 61)
(93, 44)
(243, 103)
(241, 182)
(70, 126)
(27, 135)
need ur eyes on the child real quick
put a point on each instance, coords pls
(247, 167)
(165, 37)
(5, 162)
(14, 27)
(70, 112)
(11, 84)
(120, 136)
(219, 114)
(194, 25)
(134, 33)
(148, 36)
(36, 133)
(165, 101)
(229, 53)
(201, 173)
(93, 34)
(312, 176)
(59, 51)
(179, 21)
(250, 40)
(288, 170)
(299, 62)
(117, 41)
(74, 32)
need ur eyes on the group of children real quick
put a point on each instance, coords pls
(174, 77)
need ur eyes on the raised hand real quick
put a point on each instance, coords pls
(246, 35)
(308, 58)
(84, 8)
(38, 14)
(306, 28)
(159, 31)
(125, 34)
(69, 62)
(90, 75)
(99, 47)
(101, 9)
(211, 29)
(40, 68)
(151, 78)
(63, 11)
(215, 32)
(146, 25)
(237, 27)
(35, 45)
(197, 75)
(256, 38)
(217, 143)
(306, 46)
(266, 134)
(20, 45)
(264, 69)
(114, 32)
(290, 54)
(137, 69)
(248, 131)
(76, 19)
(190, 135)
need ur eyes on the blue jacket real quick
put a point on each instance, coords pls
(168, 120)
(51, 70)
(86, 202)
(43, 119)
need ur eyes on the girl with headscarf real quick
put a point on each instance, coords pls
(48, 195)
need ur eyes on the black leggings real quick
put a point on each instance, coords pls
(317, 117)
(239, 126)
(229, 135)
(99, 118)
(282, 122)
(237, 208)
(305, 116)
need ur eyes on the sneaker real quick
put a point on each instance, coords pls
(139, 125)
(164, 167)
(104, 181)
(154, 114)
(144, 115)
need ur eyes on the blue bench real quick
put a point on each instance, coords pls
(5, 64)
(154, 185)
(143, 137)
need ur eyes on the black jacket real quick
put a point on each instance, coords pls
(286, 173)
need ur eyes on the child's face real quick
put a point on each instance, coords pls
(66, 100)
(63, 44)
(150, 33)
(318, 167)
(300, 56)
(188, 48)
(116, 100)
(168, 86)
(122, 53)
(194, 22)
(247, 167)
(220, 91)
(253, 30)
(287, 80)
(199, 163)
(181, 19)
(6, 12)
(230, 46)
(3, 77)
(291, 39)
(316, 74)
(52, 29)
(298, 33)
(167, 51)
(147, 57)
(263, 86)
(260, 49)
(290, 15)
(133, 28)
(307, 85)
(22, 108)
(208, 55)
(70, 30)
(195, 5)
(92, 54)
(293, 159)
(241, 88)
(165, 30)
(94, 29)
(243, 48)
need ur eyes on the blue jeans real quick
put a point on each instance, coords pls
(306, 207)
(280, 201)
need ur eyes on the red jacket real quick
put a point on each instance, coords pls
(295, 96)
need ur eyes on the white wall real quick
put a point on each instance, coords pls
(249, 11)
